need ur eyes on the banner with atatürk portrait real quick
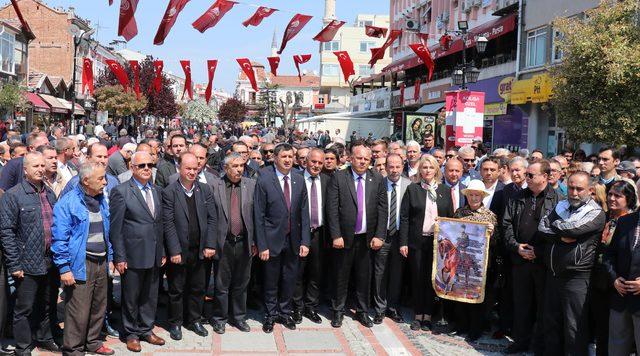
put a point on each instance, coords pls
(461, 254)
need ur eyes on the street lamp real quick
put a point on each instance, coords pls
(78, 35)
(466, 72)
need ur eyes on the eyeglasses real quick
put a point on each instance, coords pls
(145, 165)
(267, 151)
(450, 156)
(468, 160)
(530, 175)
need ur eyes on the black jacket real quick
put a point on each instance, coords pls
(623, 260)
(412, 211)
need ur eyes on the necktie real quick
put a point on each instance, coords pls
(236, 219)
(287, 194)
(148, 196)
(315, 218)
(360, 194)
(393, 206)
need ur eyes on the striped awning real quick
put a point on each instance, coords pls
(54, 103)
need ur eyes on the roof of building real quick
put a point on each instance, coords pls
(309, 80)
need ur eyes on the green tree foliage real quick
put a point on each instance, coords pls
(233, 110)
(597, 85)
(12, 98)
(198, 111)
(118, 103)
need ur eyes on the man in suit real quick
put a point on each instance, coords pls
(143, 147)
(13, 170)
(518, 168)
(452, 175)
(388, 264)
(490, 171)
(215, 153)
(467, 155)
(138, 247)
(233, 197)
(189, 226)
(281, 209)
(119, 160)
(250, 169)
(169, 165)
(204, 175)
(307, 294)
(357, 217)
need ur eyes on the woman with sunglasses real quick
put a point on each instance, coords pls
(424, 201)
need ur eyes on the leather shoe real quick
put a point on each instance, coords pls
(415, 325)
(133, 345)
(103, 350)
(5, 352)
(313, 316)
(242, 326)
(377, 319)
(218, 328)
(336, 322)
(425, 325)
(154, 339)
(111, 332)
(267, 327)
(287, 321)
(175, 332)
(364, 319)
(198, 329)
(297, 317)
(395, 316)
(49, 346)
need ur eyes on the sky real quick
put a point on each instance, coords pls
(228, 40)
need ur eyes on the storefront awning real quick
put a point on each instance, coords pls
(430, 108)
(38, 104)
(490, 30)
(78, 109)
(56, 106)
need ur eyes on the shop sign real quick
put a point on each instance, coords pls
(495, 109)
(464, 112)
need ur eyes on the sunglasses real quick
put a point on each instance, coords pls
(530, 175)
(469, 159)
(450, 156)
(145, 165)
(267, 151)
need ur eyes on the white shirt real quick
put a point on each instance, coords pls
(188, 192)
(64, 170)
(307, 182)
(363, 230)
(398, 200)
(280, 177)
(489, 198)
(202, 178)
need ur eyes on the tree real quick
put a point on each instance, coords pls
(233, 111)
(597, 85)
(197, 110)
(113, 99)
(11, 98)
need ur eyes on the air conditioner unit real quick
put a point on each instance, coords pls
(412, 25)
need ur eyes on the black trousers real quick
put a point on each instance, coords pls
(566, 316)
(36, 302)
(357, 260)
(528, 297)
(388, 265)
(599, 318)
(307, 293)
(421, 264)
(233, 270)
(624, 331)
(4, 297)
(280, 274)
(139, 301)
(187, 283)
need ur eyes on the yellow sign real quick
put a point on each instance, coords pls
(538, 89)
(504, 88)
(495, 109)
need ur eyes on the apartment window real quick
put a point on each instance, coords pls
(330, 70)
(537, 47)
(365, 23)
(332, 46)
(556, 53)
(7, 43)
(366, 45)
(365, 70)
(20, 57)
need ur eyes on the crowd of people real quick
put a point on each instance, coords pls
(212, 220)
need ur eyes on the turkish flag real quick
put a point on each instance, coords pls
(186, 67)
(423, 53)
(373, 31)
(119, 72)
(346, 64)
(213, 15)
(127, 26)
(258, 16)
(293, 28)
(300, 59)
(329, 32)
(158, 65)
(247, 68)
(211, 68)
(135, 69)
(274, 62)
(379, 54)
(169, 19)
(416, 90)
(87, 75)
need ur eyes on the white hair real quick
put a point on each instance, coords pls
(501, 152)
(466, 149)
(129, 147)
(413, 143)
(519, 159)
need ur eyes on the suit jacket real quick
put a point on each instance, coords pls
(342, 206)
(176, 219)
(622, 260)
(498, 201)
(166, 168)
(274, 219)
(123, 177)
(247, 187)
(136, 235)
(324, 183)
(403, 183)
(413, 208)
(210, 178)
(117, 164)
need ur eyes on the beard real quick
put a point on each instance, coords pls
(578, 202)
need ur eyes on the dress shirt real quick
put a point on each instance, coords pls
(398, 200)
(188, 192)
(281, 181)
(363, 230)
(202, 178)
(455, 193)
(489, 198)
(307, 181)
(430, 215)
(64, 170)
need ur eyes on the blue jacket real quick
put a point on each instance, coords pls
(70, 231)
(112, 182)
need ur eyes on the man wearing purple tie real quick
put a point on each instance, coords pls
(357, 219)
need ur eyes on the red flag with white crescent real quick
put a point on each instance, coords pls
(416, 90)
(260, 14)
(346, 64)
(186, 67)
(213, 15)
(376, 32)
(119, 72)
(169, 19)
(379, 54)
(247, 68)
(135, 69)
(127, 26)
(87, 76)
(274, 62)
(300, 59)
(293, 28)
(329, 32)
(211, 69)
(158, 65)
(423, 53)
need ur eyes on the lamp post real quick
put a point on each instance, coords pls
(467, 72)
(78, 35)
